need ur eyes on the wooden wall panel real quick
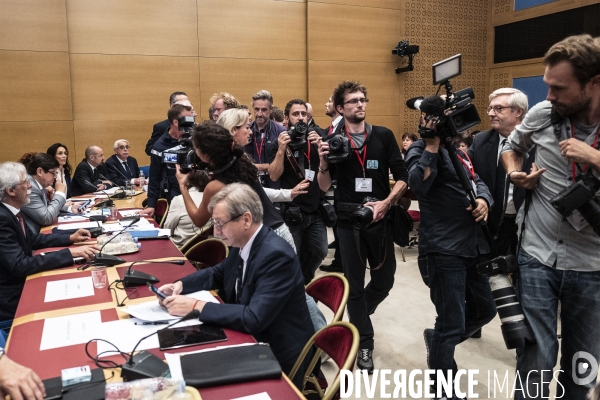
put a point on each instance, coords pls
(34, 86)
(391, 4)
(351, 33)
(35, 136)
(261, 29)
(150, 27)
(39, 25)
(242, 78)
(104, 134)
(120, 87)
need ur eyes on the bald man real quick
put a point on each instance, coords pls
(312, 126)
(90, 175)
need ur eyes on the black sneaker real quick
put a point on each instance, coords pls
(364, 360)
(428, 337)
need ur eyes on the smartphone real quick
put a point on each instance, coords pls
(156, 291)
(83, 205)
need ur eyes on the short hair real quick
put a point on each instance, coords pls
(233, 118)
(412, 136)
(517, 99)
(346, 87)
(245, 107)
(90, 151)
(175, 94)
(175, 112)
(581, 51)
(11, 174)
(116, 145)
(289, 105)
(228, 100)
(26, 158)
(197, 179)
(276, 114)
(263, 95)
(43, 161)
(239, 198)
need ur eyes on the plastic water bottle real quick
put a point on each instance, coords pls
(142, 178)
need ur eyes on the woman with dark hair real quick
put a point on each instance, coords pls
(61, 153)
(407, 139)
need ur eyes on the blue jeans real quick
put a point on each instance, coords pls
(447, 278)
(539, 289)
(310, 238)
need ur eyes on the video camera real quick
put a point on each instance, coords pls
(580, 196)
(183, 154)
(297, 135)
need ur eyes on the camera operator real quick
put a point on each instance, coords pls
(374, 153)
(448, 248)
(162, 181)
(559, 260)
(290, 163)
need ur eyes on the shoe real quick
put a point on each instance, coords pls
(332, 245)
(428, 337)
(477, 334)
(332, 268)
(365, 360)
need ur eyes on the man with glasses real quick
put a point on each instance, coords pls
(260, 281)
(122, 168)
(375, 153)
(90, 174)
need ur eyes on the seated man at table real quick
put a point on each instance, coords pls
(121, 167)
(260, 281)
(17, 241)
(90, 175)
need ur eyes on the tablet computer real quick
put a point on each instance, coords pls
(190, 336)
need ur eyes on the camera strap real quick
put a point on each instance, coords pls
(575, 167)
(363, 160)
(294, 163)
(224, 168)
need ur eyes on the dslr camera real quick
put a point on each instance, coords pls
(339, 148)
(363, 217)
(298, 133)
(581, 196)
(183, 154)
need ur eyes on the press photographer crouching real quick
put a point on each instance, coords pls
(450, 243)
(360, 156)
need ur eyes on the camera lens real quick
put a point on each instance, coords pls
(335, 144)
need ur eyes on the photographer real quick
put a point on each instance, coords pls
(162, 181)
(292, 161)
(558, 258)
(374, 153)
(448, 247)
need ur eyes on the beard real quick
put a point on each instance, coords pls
(566, 110)
(355, 119)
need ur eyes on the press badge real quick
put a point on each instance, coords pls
(577, 221)
(372, 164)
(296, 154)
(363, 184)
(309, 174)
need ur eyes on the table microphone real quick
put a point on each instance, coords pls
(139, 278)
(108, 202)
(116, 195)
(108, 259)
(145, 364)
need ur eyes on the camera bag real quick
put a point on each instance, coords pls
(402, 225)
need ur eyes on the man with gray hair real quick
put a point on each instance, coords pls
(507, 108)
(264, 136)
(260, 281)
(121, 167)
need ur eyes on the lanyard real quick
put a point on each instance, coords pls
(468, 165)
(361, 161)
(259, 150)
(308, 155)
(573, 165)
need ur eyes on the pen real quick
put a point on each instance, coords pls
(152, 323)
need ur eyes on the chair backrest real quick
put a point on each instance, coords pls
(332, 290)
(208, 253)
(340, 341)
(202, 234)
(146, 170)
(160, 211)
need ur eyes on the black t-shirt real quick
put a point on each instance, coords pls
(271, 217)
(308, 202)
(383, 157)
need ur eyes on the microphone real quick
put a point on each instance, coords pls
(108, 259)
(106, 179)
(121, 194)
(124, 177)
(433, 105)
(145, 364)
(415, 103)
(139, 278)
(108, 202)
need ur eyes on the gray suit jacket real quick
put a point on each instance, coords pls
(41, 212)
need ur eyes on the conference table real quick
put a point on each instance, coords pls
(23, 344)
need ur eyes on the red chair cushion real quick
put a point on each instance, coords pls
(210, 252)
(416, 215)
(328, 290)
(336, 341)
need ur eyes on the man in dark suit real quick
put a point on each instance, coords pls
(161, 127)
(507, 109)
(88, 174)
(260, 281)
(17, 241)
(121, 167)
(312, 125)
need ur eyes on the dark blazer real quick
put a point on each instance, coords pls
(312, 126)
(483, 154)
(157, 131)
(118, 174)
(273, 303)
(84, 172)
(17, 260)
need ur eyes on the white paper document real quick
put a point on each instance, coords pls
(69, 289)
(125, 334)
(71, 218)
(258, 396)
(109, 191)
(130, 213)
(70, 330)
(77, 225)
(153, 311)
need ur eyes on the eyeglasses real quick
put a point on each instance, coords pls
(354, 102)
(220, 225)
(55, 173)
(497, 109)
(123, 147)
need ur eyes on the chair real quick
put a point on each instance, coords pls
(207, 253)
(160, 211)
(203, 234)
(146, 170)
(340, 340)
(332, 290)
